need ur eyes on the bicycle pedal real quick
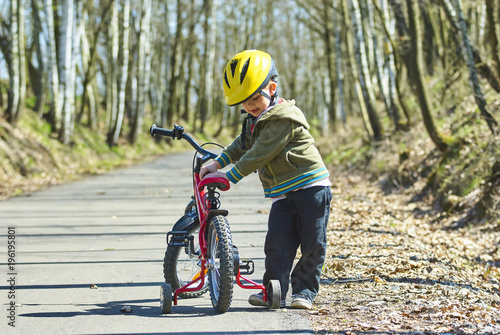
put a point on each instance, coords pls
(247, 266)
(179, 238)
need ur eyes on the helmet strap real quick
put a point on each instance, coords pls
(272, 99)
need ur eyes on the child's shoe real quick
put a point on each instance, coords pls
(300, 301)
(258, 300)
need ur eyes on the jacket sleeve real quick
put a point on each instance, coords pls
(231, 153)
(271, 140)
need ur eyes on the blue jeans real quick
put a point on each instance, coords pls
(299, 220)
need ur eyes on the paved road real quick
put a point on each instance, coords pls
(109, 231)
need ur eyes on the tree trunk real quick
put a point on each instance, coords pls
(117, 126)
(328, 40)
(89, 81)
(471, 66)
(379, 64)
(111, 75)
(364, 74)
(420, 88)
(203, 103)
(492, 34)
(172, 85)
(355, 73)
(142, 76)
(88, 90)
(18, 81)
(483, 68)
(391, 61)
(13, 106)
(339, 70)
(54, 69)
(41, 80)
(67, 73)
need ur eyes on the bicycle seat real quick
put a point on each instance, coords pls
(221, 183)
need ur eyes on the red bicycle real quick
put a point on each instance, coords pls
(200, 255)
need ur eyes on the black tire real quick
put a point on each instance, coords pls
(220, 263)
(180, 266)
(166, 298)
(274, 294)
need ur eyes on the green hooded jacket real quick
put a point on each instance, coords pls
(280, 147)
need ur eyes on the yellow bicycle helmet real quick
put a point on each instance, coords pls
(248, 73)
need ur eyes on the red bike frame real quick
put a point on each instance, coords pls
(204, 213)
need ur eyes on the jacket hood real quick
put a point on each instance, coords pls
(286, 110)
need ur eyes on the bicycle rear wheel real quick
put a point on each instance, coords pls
(220, 263)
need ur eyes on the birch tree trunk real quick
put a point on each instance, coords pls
(172, 84)
(204, 104)
(190, 58)
(67, 69)
(41, 80)
(389, 81)
(340, 112)
(330, 63)
(117, 126)
(88, 90)
(378, 58)
(13, 106)
(111, 76)
(416, 64)
(392, 65)
(142, 76)
(54, 69)
(364, 74)
(211, 59)
(355, 72)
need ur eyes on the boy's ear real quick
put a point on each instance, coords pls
(272, 88)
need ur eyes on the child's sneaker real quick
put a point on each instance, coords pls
(300, 301)
(258, 300)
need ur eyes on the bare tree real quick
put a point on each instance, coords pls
(39, 78)
(469, 60)
(88, 92)
(418, 80)
(67, 68)
(483, 69)
(142, 74)
(339, 56)
(112, 69)
(53, 67)
(116, 127)
(364, 74)
(390, 66)
(17, 72)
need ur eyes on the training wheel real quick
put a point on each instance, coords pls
(274, 294)
(166, 298)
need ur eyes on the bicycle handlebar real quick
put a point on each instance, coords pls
(178, 133)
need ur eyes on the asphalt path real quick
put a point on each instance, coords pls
(88, 257)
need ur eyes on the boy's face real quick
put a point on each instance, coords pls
(258, 103)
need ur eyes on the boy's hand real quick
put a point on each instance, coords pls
(210, 168)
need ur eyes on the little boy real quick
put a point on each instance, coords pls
(275, 141)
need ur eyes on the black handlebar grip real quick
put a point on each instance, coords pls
(152, 130)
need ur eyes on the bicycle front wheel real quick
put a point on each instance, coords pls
(181, 265)
(220, 263)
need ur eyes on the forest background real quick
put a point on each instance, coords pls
(403, 91)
